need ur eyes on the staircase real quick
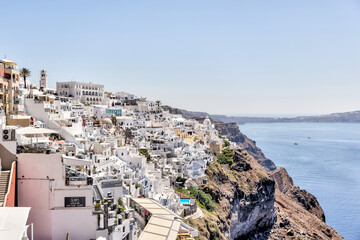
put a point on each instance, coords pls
(4, 183)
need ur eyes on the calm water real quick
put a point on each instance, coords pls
(326, 162)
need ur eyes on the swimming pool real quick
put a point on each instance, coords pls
(184, 201)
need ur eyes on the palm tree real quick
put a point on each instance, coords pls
(24, 72)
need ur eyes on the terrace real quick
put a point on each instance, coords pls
(77, 171)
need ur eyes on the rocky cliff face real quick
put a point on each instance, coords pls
(285, 185)
(255, 204)
(299, 214)
(245, 195)
(232, 132)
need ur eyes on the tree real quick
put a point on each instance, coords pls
(181, 180)
(204, 198)
(24, 73)
(226, 143)
(226, 157)
(113, 120)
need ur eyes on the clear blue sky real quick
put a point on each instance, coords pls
(231, 57)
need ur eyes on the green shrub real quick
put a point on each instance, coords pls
(226, 157)
(120, 202)
(182, 180)
(226, 143)
(146, 154)
(204, 198)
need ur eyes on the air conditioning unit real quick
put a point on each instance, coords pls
(8, 135)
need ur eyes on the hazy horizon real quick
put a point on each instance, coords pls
(241, 57)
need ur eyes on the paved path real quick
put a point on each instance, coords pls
(196, 215)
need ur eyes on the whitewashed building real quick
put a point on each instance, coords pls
(87, 93)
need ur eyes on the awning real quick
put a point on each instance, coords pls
(72, 161)
(32, 130)
(13, 222)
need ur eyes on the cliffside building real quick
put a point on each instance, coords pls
(9, 86)
(87, 93)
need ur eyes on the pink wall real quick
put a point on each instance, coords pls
(10, 196)
(2, 72)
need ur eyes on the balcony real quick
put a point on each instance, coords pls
(76, 181)
(76, 178)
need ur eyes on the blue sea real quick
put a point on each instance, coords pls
(325, 162)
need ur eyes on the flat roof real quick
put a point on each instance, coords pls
(161, 228)
(155, 208)
(33, 130)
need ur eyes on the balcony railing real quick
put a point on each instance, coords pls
(75, 181)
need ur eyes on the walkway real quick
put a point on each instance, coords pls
(196, 215)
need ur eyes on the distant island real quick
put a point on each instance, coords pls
(344, 117)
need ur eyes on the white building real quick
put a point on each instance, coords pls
(87, 93)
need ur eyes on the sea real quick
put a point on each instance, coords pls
(322, 158)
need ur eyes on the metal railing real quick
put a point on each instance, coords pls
(81, 180)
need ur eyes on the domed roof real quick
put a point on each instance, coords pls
(207, 121)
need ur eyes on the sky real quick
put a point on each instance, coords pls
(255, 58)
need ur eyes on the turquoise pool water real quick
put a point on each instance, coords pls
(184, 201)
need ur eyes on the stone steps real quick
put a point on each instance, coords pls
(4, 182)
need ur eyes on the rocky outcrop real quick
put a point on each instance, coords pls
(295, 222)
(285, 185)
(253, 203)
(232, 132)
(245, 195)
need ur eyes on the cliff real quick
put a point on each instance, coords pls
(245, 197)
(255, 204)
(232, 132)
